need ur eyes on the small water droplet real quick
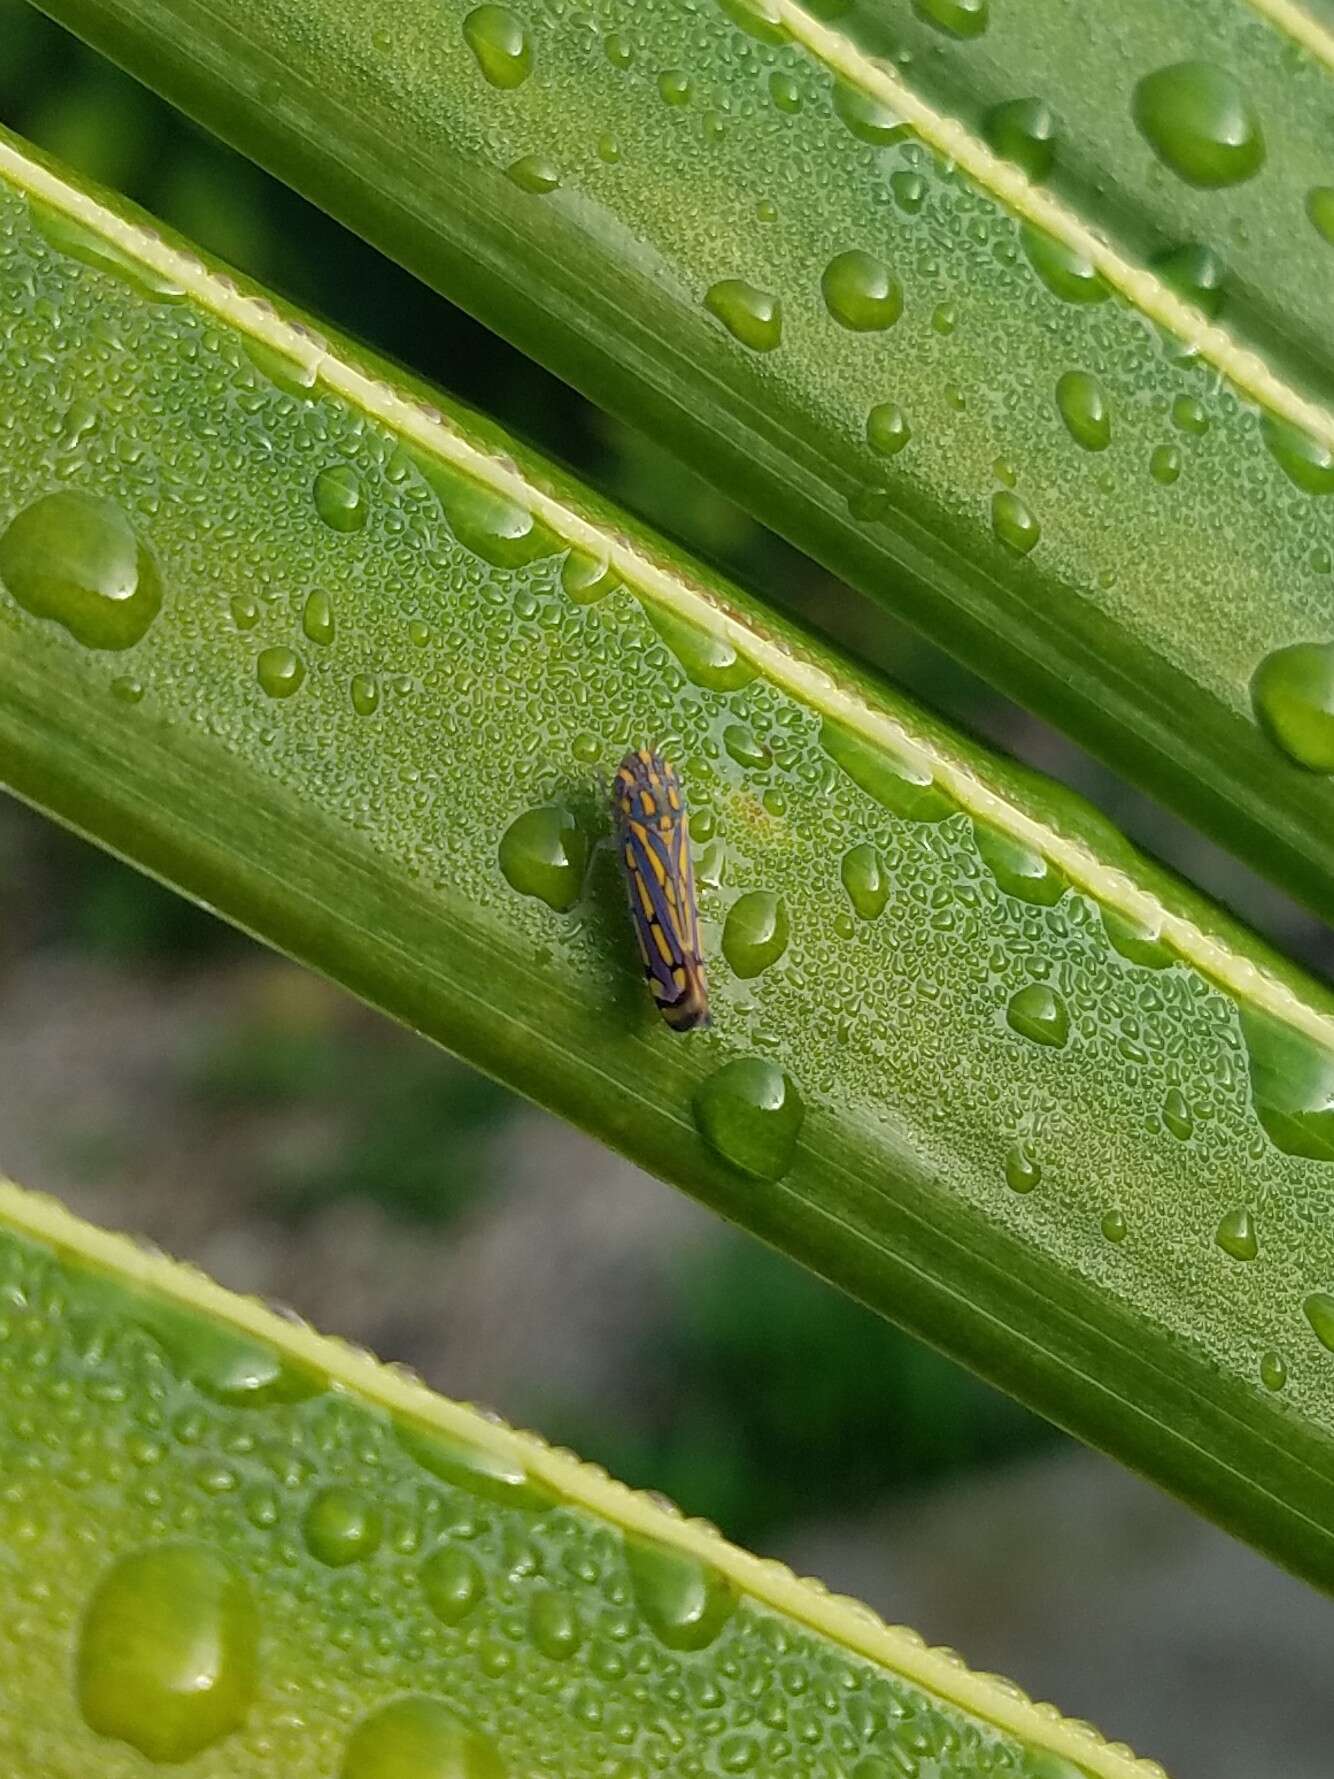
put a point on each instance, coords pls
(1114, 1225)
(905, 790)
(418, 1738)
(1273, 1370)
(1013, 523)
(499, 40)
(709, 660)
(674, 87)
(1198, 121)
(755, 933)
(866, 880)
(861, 293)
(869, 119)
(957, 18)
(1177, 1115)
(909, 190)
(1292, 693)
(1165, 464)
(1319, 1310)
(1019, 870)
(751, 316)
(75, 560)
(1039, 1013)
(744, 748)
(1308, 463)
(887, 431)
(167, 1652)
(544, 853)
(81, 418)
(684, 1601)
(750, 1113)
(495, 528)
(451, 1583)
(365, 690)
(785, 92)
(1235, 1235)
(342, 1525)
(1068, 272)
(339, 498)
(553, 1621)
(1082, 403)
(1022, 1172)
(1195, 273)
(280, 671)
(535, 173)
(1320, 209)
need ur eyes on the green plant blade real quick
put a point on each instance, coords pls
(305, 1562)
(971, 1057)
(1109, 493)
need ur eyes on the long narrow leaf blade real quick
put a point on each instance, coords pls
(1075, 426)
(357, 673)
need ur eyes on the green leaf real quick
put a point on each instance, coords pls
(304, 1561)
(756, 230)
(355, 670)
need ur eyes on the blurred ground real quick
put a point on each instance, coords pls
(163, 1076)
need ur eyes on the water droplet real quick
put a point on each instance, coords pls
(75, 559)
(586, 747)
(744, 748)
(887, 431)
(81, 418)
(905, 790)
(339, 498)
(1013, 523)
(1235, 1235)
(1320, 209)
(585, 579)
(785, 92)
(685, 1602)
(869, 119)
(861, 293)
(244, 610)
(1165, 464)
(762, 19)
(609, 149)
(342, 1525)
(553, 1620)
(1024, 131)
(1114, 1225)
(280, 671)
(1319, 1309)
(1137, 942)
(958, 18)
(1292, 692)
(755, 933)
(1039, 1013)
(452, 1583)
(167, 1652)
(750, 1113)
(1292, 1086)
(1188, 415)
(500, 42)
(1198, 121)
(499, 530)
(909, 190)
(535, 173)
(1018, 869)
(618, 49)
(1082, 402)
(1307, 462)
(78, 242)
(493, 1475)
(229, 1367)
(708, 660)
(1067, 271)
(127, 690)
(418, 1738)
(866, 881)
(1195, 273)
(365, 690)
(944, 318)
(1273, 1370)
(1022, 1172)
(766, 211)
(1177, 1115)
(751, 316)
(544, 853)
(674, 86)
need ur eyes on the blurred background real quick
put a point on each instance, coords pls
(164, 1075)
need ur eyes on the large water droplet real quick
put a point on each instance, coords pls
(750, 1113)
(1200, 123)
(762, 19)
(1292, 692)
(905, 790)
(1068, 272)
(1319, 1311)
(1114, 1226)
(365, 694)
(553, 1620)
(280, 671)
(1196, 273)
(340, 499)
(452, 1583)
(685, 1602)
(342, 1525)
(958, 18)
(167, 1652)
(544, 853)
(861, 293)
(1018, 869)
(751, 316)
(499, 530)
(1235, 1234)
(1273, 1370)
(1039, 1013)
(1013, 522)
(785, 92)
(1024, 131)
(867, 118)
(1307, 462)
(75, 559)
(866, 881)
(1292, 1085)
(1165, 464)
(81, 243)
(1082, 402)
(1188, 415)
(493, 1475)
(418, 1738)
(499, 40)
(1022, 1172)
(228, 1366)
(887, 431)
(536, 173)
(708, 659)
(744, 747)
(317, 618)
(674, 87)
(1320, 209)
(909, 190)
(1177, 1115)
(1135, 941)
(586, 579)
(755, 933)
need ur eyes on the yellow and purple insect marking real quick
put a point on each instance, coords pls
(655, 851)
